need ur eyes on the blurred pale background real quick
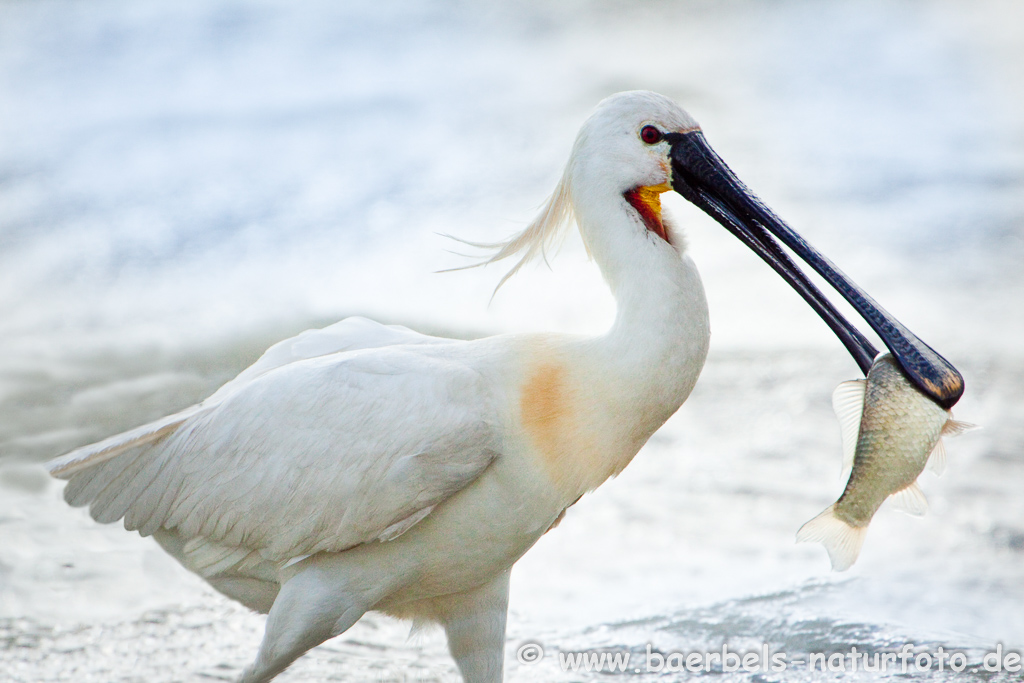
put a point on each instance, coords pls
(184, 183)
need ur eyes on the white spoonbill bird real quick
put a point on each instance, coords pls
(367, 467)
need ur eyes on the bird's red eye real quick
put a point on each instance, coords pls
(650, 135)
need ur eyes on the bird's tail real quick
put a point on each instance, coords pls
(66, 466)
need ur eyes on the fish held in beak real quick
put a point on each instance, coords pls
(891, 430)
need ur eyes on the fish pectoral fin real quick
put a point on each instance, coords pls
(848, 403)
(956, 427)
(937, 459)
(910, 500)
(842, 541)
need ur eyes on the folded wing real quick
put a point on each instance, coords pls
(309, 455)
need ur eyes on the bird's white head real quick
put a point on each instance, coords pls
(620, 160)
(621, 153)
(622, 146)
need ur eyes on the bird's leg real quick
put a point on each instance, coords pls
(320, 601)
(475, 624)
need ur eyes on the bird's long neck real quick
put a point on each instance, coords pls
(659, 339)
(657, 345)
(590, 411)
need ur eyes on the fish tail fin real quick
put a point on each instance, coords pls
(841, 540)
(910, 500)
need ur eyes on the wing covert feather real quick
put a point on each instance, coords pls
(319, 454)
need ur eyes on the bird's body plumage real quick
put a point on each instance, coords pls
(366, 466)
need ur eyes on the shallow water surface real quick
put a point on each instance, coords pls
(184, 183)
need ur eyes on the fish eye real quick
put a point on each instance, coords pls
(650, 135)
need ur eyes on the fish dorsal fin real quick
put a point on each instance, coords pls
(910, 500)
(937, 459)
(848, 402)
(956, 427)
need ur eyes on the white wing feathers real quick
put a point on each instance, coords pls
(310, 455)
(347, 335)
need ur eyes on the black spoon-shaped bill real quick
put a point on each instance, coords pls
(701, 176)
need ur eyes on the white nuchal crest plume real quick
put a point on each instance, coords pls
(543, 233)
